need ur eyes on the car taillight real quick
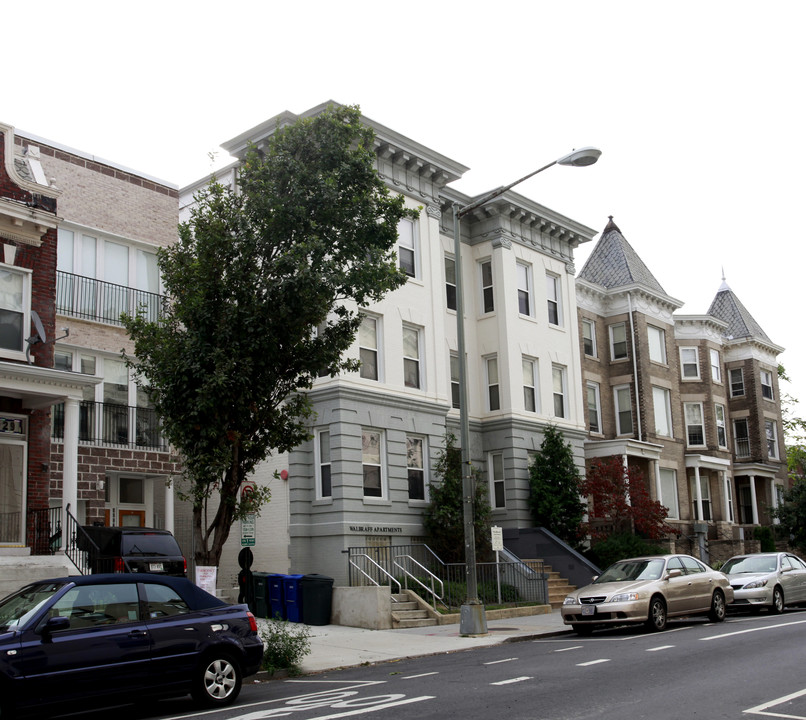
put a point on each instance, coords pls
(252, 621)
(184, 560)
(119, 567)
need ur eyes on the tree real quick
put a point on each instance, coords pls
(794, 432)
(555, 499)
(259, 290)
(792, 513)
(620, 501)
(443, 519)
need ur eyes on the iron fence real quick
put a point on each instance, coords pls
(91, 299)
(112, 424)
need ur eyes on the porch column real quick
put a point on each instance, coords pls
(658, 492)
(169, 504)
(698, 493)
(70, 465)
(727, 497)
(626, 476)
(774, 492)
(753, 501)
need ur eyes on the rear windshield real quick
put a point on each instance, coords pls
(150, 545)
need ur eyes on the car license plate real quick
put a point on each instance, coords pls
(589, 609)
(155, 567)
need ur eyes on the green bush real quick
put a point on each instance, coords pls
(285, 645)
(618, 547)
(765, 537)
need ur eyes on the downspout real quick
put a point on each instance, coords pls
(635, 370)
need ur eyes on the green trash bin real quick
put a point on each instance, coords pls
(260, 585)
(316, 592)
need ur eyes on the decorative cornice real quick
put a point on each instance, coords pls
(11, 169)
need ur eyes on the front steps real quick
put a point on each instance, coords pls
(408, 611)
(558, 587)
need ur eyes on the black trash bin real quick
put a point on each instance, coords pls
(260, 587)
(316, 592)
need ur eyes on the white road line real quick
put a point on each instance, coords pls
(513, 680)
(495, 662)
(660, 647)
(575, 647)
(751, 630)
(411, 677)
(759, 709)
(593, 662)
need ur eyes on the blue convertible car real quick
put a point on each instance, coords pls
(106, 639)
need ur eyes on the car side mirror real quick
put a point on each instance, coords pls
(673, 573)
(55, 624)
(594, 578)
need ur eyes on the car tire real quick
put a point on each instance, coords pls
(657, 614)
(718, 607)
(217, 681)
(582, 629)
(777, 606)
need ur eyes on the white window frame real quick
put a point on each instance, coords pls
(720, 419)
(688, 363)
(559, 391)
(668, 487)
(381, 465)
(593, 404)
(493, 381)
(456, 390)
(716, 365)
(662, 404)
(766, 385)
(369, 349)
(487, 290)
(525, 294)
(591, 336)
(450, 284)
(412, 361)
(530, 384)
(613, 342)
(322, 462)
(618, 399)
(497, 481)
(25, 275)
(656, 338)
(736, 388)
(554, 299)
(421, 468)
(700, 424)
(408, 243)
(771, 436)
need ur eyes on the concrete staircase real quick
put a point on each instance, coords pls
(558, 587)
(409, 610)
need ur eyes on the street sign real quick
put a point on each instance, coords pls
(497, 538)
(248, 531)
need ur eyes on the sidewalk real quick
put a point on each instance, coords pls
(337, 646)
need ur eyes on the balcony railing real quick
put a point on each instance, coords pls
(111, 424)
(90, 299)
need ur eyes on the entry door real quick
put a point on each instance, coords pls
(12, 496)
(132, 518)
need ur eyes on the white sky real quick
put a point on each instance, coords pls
(697, 106)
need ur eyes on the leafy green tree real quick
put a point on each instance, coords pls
(794, 431)
(260, 288)
(555, 494)
(443, 519)
(792, 513)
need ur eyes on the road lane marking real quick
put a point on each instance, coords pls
(751, 630)
(660, 647)
(575, 647)
(760, 709)
(411, 677)
(593, 662)
(512, 680)
(355, 706)
(495, 662)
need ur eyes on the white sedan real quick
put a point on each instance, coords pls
(769, 580)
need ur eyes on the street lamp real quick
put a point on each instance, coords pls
(472, 620)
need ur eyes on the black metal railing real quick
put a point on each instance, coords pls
(10, 527)
(91, 299)
(112, 424)
(45, 530)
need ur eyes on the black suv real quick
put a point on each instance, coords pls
(131, 549)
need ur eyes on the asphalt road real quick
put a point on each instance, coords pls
(749, 666)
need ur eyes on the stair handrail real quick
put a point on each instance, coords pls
(79, 547)
(382, 570)
(407, 575)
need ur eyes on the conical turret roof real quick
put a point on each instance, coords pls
(728, 308)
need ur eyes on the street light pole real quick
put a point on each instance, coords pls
(472, 620)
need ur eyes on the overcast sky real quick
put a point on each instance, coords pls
(698, 107)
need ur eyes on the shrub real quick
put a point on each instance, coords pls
(765, 538)
(286, 644)
(618, 547)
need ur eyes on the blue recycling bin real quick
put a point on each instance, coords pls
(292, 597)
(276, 596)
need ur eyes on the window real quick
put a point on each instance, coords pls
(529, 384)
(88, 606)
(415, 467)
(668, 491)
(559, 389)
(618, 341)
(589, 338)
(736, 382)
(553, 298)
(497, 481)
(487, 300)
(368, 347)
(456, 394)
(406, 247)
(411, 357)
(721, 426)
(524, 289)
(689, 364)
(695, 432)
(450, 283)
(716, 366)
(594, 407)
(493, 399)
(705, 493)
(772, 439)
(323, 485)
(657, 344)
(15, 308)
(662, 401)
(741, 437)
(766, 384)
(623, 402)
(371, 463)
(163, 601)
(116, 400)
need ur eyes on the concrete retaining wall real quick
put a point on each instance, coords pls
(362, 607)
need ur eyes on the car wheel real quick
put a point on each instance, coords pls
(657, 614)
(718, 607)
(580, 629)
(217, 681)
(777, 606)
